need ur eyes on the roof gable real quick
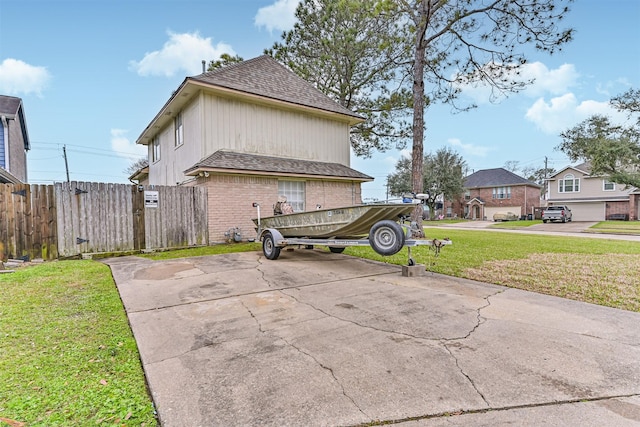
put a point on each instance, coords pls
(583, 168)
(494, 178)
(266, 77)
(11, 108)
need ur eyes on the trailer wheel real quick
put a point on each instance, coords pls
(386, 237)
(269, 248)
(335, 250)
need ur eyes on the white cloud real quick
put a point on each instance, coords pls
(564, 112)
(182, 52)
(18, 77)
(545, 81)
(279, 16)
(554, 82)
(124, 148)
(470, 149)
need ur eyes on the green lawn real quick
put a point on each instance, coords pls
(516, 224)
(67, 354)
(605, 272)
(616, 227)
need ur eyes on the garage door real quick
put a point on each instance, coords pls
(488, 212)
(588, 211)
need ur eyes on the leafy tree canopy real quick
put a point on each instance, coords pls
(351, 50)
(225, 59)
(613, 150)
(443, 177)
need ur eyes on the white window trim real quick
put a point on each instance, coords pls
(604, 185)
(155, 149)
(178, 130)
(298, 205)
(576, 183)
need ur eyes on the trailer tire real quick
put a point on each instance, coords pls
(336, 250)
(386, 237)
(269, 248)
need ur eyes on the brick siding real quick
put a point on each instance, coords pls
(231, 198)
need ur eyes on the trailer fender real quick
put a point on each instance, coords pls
(277, 236)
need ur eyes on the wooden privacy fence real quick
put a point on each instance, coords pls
(68, 219)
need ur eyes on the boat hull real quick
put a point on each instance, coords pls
(340, 223)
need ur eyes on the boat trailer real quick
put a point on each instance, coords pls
(386, 237)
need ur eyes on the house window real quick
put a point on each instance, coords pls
(569, 184)
(467, 195)
(502, 192)
(155, 153)
(177, 124)
(294, 191)
(608, 186)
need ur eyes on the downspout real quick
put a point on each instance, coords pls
(5, 135)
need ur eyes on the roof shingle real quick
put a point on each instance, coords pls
(495, 177)
(231, 160)
(264, 76)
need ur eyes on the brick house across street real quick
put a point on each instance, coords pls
(490, 191)
(592, 198)
(251, 132)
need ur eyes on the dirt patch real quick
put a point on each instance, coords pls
(612, 279)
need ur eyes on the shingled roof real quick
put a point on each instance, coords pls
(11, 108)
(495, 178)
(231, 161)
(264, 76)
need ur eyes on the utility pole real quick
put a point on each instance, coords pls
(546, 170)
(66, 164)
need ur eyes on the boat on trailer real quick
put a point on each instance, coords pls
(386, 227)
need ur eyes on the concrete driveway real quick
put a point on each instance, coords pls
(321, 339)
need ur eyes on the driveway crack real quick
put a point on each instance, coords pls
(309, 355)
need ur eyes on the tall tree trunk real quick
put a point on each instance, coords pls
(417, 156)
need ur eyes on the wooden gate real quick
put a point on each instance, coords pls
(28, 227)
(72, 218)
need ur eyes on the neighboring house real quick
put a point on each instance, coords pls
(592, 198)
(490, 191)
(14, 141)
(251, 132)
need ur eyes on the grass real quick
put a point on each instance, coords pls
(68, 356)
(616, 227)
(599, 271)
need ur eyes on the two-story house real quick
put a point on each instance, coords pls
(592, 198)
(251, 132)
(490, 191)
(14, 141)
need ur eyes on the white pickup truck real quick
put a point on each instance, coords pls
(557, 213)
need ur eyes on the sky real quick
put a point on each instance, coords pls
(92, 74)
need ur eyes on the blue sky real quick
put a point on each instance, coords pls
(93, 73)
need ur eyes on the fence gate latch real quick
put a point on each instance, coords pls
(22, 193)
(80, 241)
(79, 191)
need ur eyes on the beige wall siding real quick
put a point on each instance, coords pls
(589, 187)
(231, 198)
(256, 129)
(174, 160)
(17, 153)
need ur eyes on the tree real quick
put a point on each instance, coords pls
(511, 165)
(351, 51)
(471, 42)
(612, 150)
(443, 178)
(225, 59)
(136, 166)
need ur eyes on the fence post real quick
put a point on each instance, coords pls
(137, 198)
